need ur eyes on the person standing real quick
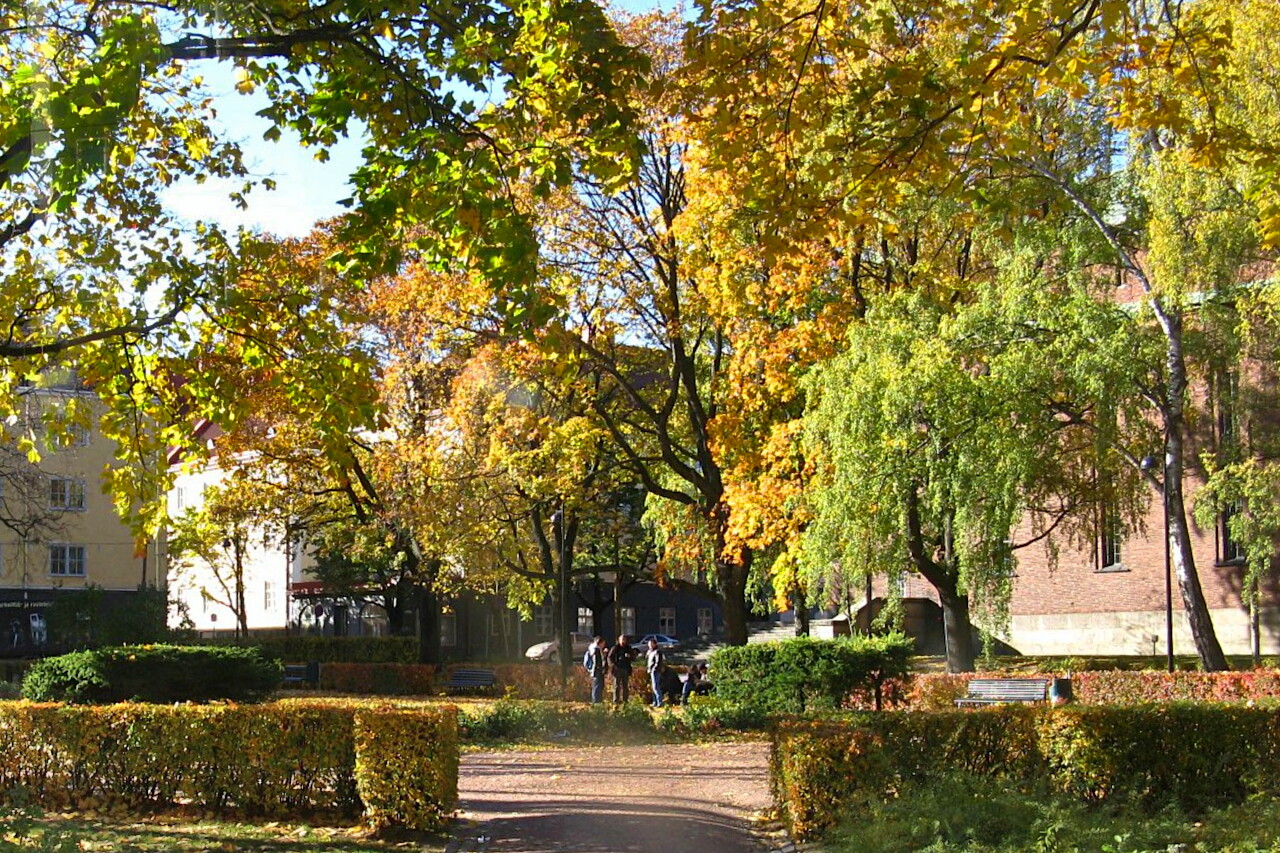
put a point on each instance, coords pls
(620, 665)
(594, 661)
(654, 663)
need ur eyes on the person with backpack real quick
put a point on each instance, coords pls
(655, 664)
(620, 665)
(594, 661)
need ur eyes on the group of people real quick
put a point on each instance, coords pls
(618, 661)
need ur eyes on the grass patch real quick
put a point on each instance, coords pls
(965, 814)
(30, 831)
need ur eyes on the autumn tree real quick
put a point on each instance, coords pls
(102, 109)
(635, 316)
(981, 97)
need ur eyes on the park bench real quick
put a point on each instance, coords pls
(462, 679)
(999, 691)
(302, 674)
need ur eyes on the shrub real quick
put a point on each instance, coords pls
(378, 679)
(153, 674)
(1188, 756)
(803, 674)
(511, 719)
(710, 715)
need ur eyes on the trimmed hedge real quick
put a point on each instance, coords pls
(938, 691)
(407, 767)
(805, 674)
(290, 759)
(153, 674)
(378, 679)
(402, 650)
(1192, 756)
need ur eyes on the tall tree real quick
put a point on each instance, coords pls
(983, 96)
(101, 110)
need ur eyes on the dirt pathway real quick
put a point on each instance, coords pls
(672, 798)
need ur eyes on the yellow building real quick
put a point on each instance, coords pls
(63, 550)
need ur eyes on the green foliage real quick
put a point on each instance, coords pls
(83, 618)
(508, 720)
(155, 674)
(804, 674)
(709, 715)
(1192, 757)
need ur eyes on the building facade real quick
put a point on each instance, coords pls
(67, 560)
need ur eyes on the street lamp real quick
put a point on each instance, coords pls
(1148, 464)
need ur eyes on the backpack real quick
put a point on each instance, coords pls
(586, 659)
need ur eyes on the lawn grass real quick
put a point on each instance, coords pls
(33, 832)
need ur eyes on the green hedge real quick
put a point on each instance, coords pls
(287, 759)
(804, 674)
(335, 649)
(1191, 756)
(153, 674)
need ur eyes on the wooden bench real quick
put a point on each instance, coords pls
(1000, 691)
(471, 679)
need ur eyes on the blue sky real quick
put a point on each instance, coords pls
(307, 190)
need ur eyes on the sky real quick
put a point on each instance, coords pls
(307, 190)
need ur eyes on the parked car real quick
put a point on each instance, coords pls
(549, 651)
(665, 642)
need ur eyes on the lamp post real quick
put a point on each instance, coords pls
(1148, 465)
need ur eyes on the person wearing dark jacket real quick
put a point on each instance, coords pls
(620, 657)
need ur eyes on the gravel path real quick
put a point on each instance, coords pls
(671, 798)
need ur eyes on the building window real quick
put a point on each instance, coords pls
(268, 595)
(542, 622)
(448, 629)
(66, 561)
(66, 493)
(628, 625)
(1230, 549)
(1110, 541)
(667, 621)
(586, 621)
(705, 621)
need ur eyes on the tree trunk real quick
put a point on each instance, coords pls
(732, 579)
(1184, 569)
(1179, 532)
(801, 604)
(428, 625)
(958, 631)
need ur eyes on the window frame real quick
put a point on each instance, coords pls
(66, 549)
(71, 487)
(667, 621)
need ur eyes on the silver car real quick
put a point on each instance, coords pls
(549, 651)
